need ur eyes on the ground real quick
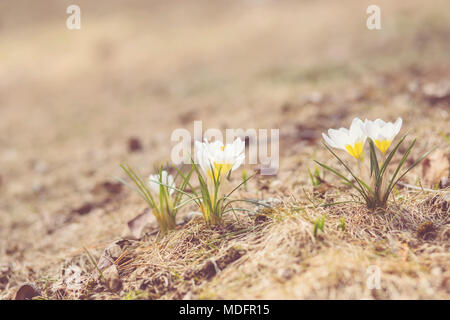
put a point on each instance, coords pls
(75, 104)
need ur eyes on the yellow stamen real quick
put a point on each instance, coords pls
(223, 168)
(383, 145)
(222, 148)
(355, 150)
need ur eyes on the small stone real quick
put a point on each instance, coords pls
(192, 215)
(27, 292)
(140, 223)
(134, 144)
(84, 209)
(112, 278)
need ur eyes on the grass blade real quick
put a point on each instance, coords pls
(402, 161)
(410, 168)
(374, 167)
(342, 177)
(391, 155)
(91, 259)
(348, 169)
(240, 184)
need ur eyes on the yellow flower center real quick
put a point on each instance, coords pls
(222, 148)
(355, 150)
(383, 145)
(222, 168)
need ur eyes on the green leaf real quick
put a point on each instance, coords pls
(391, 155)
(342, 224)
(182, 204)
(342, 177)
(183, 185)
(319, 225)
(173, 188)
(402, 161)
(410, 168)
(348, 169)
(374, 167)
(203, 187)
(145, 193)
(186, 178)
(240, 184)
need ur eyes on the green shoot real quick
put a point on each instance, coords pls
(342, 224)
(319, 224)
(316, 180)
(163, 198)
(244, 178)
(211, 198)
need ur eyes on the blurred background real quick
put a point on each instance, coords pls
(76, 103)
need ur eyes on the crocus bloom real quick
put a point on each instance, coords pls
(215, 157)
(164, 178)
(352, 140)
(382, 133)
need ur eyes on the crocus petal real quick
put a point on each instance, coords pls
(356, 131)
(382, 133)
(397, 127)
(238, 163)
(164, 178)
(341, 137)
(152, 182)
(371, 130)
(215, 157)
(330, 142)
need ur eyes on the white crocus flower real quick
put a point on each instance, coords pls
(165, 178)
(216, 158)
(382, 133)
(352, 140)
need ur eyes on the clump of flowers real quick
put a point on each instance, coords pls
(374, 185)
(216, 162)
(161, 194)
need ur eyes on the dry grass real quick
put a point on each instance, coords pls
(274, 255)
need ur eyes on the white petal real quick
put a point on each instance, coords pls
(153, 183)
(356, 131)
(379, 123)
(201, 156)
(168, 180)
(397, 127)
(329, 141)
(341, 137)
(238, 162)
